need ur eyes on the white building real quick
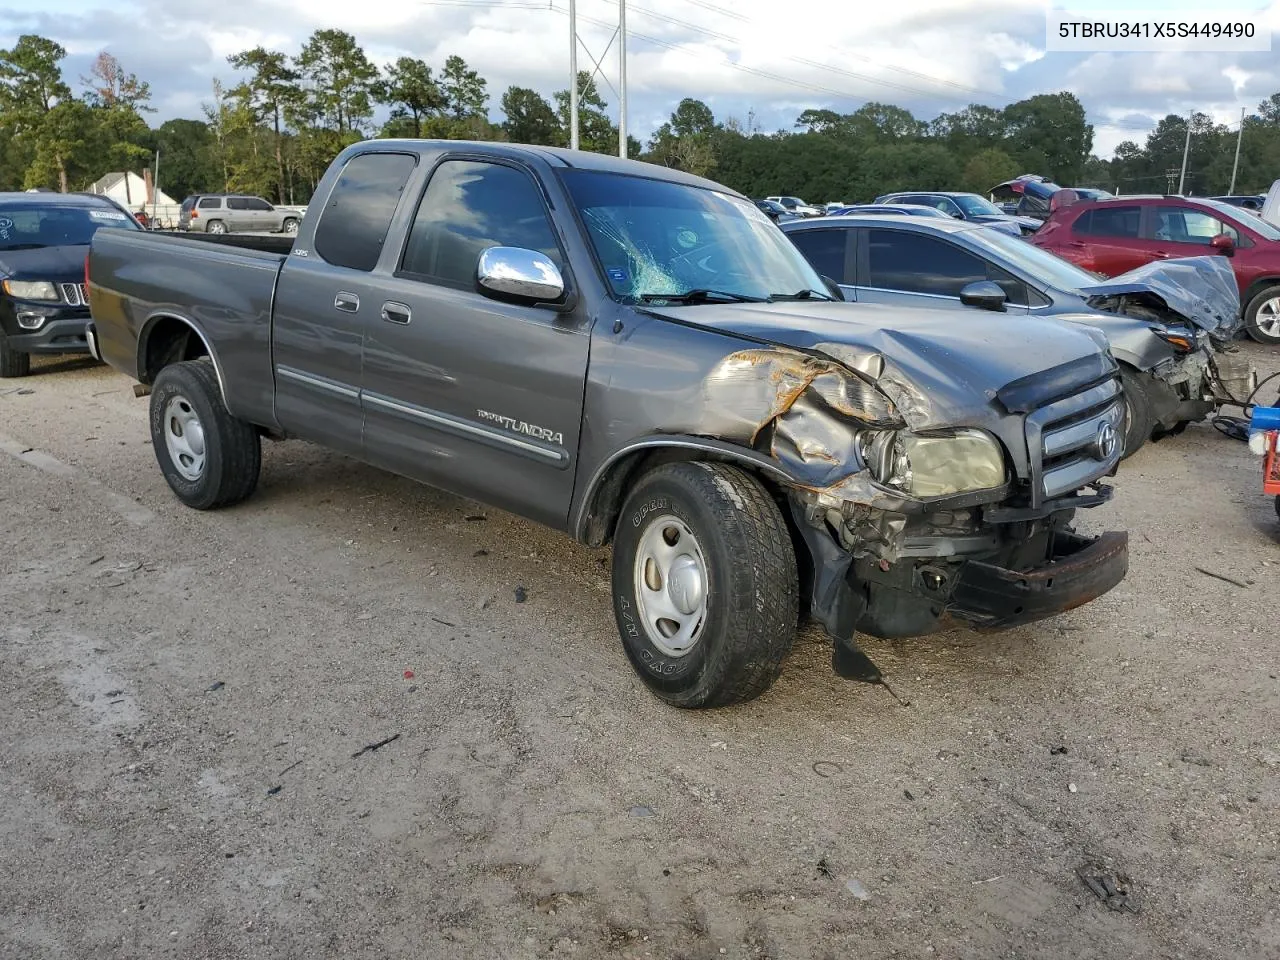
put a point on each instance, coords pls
(136, 193)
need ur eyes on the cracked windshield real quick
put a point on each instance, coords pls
(662, 240)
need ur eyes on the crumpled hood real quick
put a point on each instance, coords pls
(59, 264)
(1200, 289)
(941, 370)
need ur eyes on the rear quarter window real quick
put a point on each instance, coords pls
(211, 203)
(353, 226)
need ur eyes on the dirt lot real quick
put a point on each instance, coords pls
(186, 696)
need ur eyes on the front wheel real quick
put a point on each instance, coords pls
(1262, 316)
(705, 585)
(1138, 422)
(209, 458)
(13, 363)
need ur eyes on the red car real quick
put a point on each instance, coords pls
(1118, 234)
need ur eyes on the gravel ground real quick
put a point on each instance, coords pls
(187, 696)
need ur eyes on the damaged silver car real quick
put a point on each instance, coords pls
(1169, 324)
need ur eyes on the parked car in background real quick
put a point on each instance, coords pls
(44, 238)
(1089, 193)
(632, 354)
(775, 211)
(832, 205)
(965, 206)
(1246, 202)
(797, 206)
(235, 213)
(1025, 196)
(1160, 322)
(889, 210)
(1113, 236)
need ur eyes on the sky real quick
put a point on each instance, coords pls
(755, 60)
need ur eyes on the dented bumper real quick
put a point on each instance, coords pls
(1077, 570)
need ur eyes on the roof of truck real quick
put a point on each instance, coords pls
(557, 156)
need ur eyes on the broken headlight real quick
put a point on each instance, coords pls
(936, 464)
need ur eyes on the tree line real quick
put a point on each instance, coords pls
(275, 130)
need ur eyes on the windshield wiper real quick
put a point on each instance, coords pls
(800, 295)
(699, 295)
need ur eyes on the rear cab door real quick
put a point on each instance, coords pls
(329, 293)
(476, 395)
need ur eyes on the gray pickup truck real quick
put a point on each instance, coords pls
(637, 356)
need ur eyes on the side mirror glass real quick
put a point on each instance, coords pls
(1223, 244)
(983, 294)
(518, 274)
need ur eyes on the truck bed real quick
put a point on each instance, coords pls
(222, 286)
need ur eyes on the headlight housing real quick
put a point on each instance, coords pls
(31, 290)
(936, 464)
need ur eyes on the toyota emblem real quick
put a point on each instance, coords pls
(1104, 444)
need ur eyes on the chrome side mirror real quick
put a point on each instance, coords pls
(520, 274)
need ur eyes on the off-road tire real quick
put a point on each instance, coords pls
(1138, 423)
(13, 363)
(752, 587)
(1251, 316)
(233, 449)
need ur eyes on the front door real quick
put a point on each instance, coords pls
(462, 391)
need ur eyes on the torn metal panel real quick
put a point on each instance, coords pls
(1200, 290)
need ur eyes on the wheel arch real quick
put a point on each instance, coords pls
(1256, 288)
(167, 338)
(597, 512)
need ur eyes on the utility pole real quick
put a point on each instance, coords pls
(155, 190)
(622, 78)
(573, 74)
(1236, 165)
(1182, 178)
(1168, 179)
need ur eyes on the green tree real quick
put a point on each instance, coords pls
(596, 131)
(1048, 134)
(341, 82)
(465, 91)
(117, 99)
(986, 168)
(686, 141)
(530, 119)
(187, 161)
(31, 87)
(272, 85)
(413, 95)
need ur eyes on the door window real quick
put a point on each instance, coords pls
(1187, 225)
(237, 203)
(358, 214)
(257, 203)
(211, 203)
(468, 207)
(914, 263)
(1110, 221)
(825, 251)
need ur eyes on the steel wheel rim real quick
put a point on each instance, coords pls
(184, 438)
(671, 585)
(1267, 318)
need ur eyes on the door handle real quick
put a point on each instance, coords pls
(396, 312)
(346, 301)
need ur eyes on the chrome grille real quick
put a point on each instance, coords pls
(74, 294)
(1067, 440)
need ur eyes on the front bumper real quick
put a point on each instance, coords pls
(1077, 570)
(62, 332)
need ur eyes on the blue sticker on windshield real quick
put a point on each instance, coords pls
(617, 275)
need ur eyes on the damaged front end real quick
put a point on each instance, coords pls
(913, 529)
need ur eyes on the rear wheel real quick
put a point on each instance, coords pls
(705, 585)
(1262, 316)
(209, 458)
(13, 363)
(216, 226)
(290, 226)
(1138, 423)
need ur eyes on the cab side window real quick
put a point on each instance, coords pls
(358, 213)
(468, 207)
